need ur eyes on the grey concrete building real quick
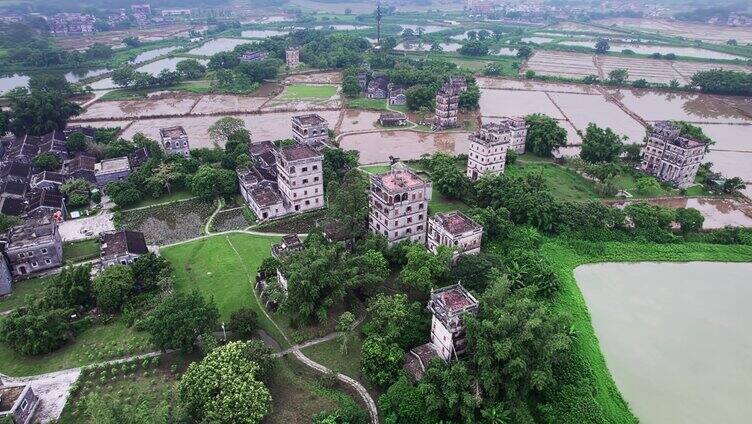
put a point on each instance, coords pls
(456, 231)
(33, 247)
(399, 205)
(311, 129)
(447, 106)
(109, 170)
(670, 157)
(488, 151)
(175, 141)
(121, 247)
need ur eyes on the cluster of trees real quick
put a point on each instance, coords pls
(41, 108)
(424, 78)
(207, 172)
(234, 75)
(50, 319)
(719, 81)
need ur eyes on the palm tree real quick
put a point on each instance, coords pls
(496, 415)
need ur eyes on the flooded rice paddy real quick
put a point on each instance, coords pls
(10, 82)
(152, 54)
(650, 49)
(427, 29)
(536, 40)
(262, 33)
(718, 213)
(693, 31)
(215, 46)
(78, 75)
(582, 109)
(377, 147)
(675, 337)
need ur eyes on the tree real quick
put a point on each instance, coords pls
(424, 270)
(618, 76)
(395, 319)
(381, 360)
(476, 272)
(78, 192)
(46, 162)
(647, 184)
(164, 176)
(348, 204)
(524, 52)
(419, 96)
(733, 185)
(124, 76)
(344, 327)
(690, 219)
(350, 86)
(35, 332)
(640, 83)
(244, 322)
(337, 163)
(76, 142)
(38, 112)
(223, 128)
(8, 221)
(210, 181)
(514, 342)
(178, 320)
(544, 135)
(224, 60)
(732, 42)
(436, 48)
(224, 387)
(602, 46)
(601, 145)
(149, 270)
(191, 69)
(113, 287)
(123, 193)
(132, 41)
(4, 121)
(473, 48)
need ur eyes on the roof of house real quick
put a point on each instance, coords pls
(122, 243)
(113, 165)
(45, 199)
(56, 135)
(456, 223)
(299, 152)
(266, 195)
(139, 157)
(13, 188)
(309, 119)
(86, 131)
(53, 177)
(15, 169)
(30, 232)
(392, 116)
(172, 132)
(81, 162)
(399, 179)
(261, 147)
(13, 206)
(453, 299)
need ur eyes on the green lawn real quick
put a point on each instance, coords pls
(214, 268)
(168, 198)
(566, 185)
(376, 169)
(20, 290)
(441, 204)
(366, 103)
(298, 92)
(79, 251)
(96, 344)
(197, 87)
(565, 258)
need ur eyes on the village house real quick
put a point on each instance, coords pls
(6, 279)
(399, 205)
(447, 106)
(50, 202)
(292, 57)
(89, 133)
(448, 305)
(488, 151)
(121, 248)
(294, 185)
(33, 246)
(397, 95)
(311, 130)
(144, 9)
(254, 56)
(139, 157)
(671, 157)
(170, 13)
(25, 148)
(378, 87)
(81, 167)
(175, 141)
(456, 231)
(64, 24)
(392, 119)
(109, 170)
(15, 171)
(517, 128)
(18, 402)
(13, 198)
(47, 180)
(300, 177)
(362, 78)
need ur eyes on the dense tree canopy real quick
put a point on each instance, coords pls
(178, 320)
(544, 135)
(601, 145)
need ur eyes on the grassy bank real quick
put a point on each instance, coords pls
(565, 257)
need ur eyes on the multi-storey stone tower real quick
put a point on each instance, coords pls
(448, 334)
(447, 106)
(292, 57)
(300, 178)
(671, 157)
(488, 150)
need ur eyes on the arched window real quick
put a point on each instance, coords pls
(397, 198)
(404, 196)
(167, 144)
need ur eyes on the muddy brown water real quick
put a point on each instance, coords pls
(655, 106)
(584, 109)
(675, 337)
(377, 147)
(358, 120)
(718, 213)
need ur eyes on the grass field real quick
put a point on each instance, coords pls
(96, 344)
(565, 258)
(20, 290)
(376, 169)
(565, 184)
(78, 251)
(297, 92)
(197, 87)
(223, 267)
(367, 104)
(441, 204)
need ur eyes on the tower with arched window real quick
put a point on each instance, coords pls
(399, 205)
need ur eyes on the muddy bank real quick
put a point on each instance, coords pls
(315, 78)
(174, 103)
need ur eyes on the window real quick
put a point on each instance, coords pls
(47, 261)
(420, 227)
(305, 192)
(31, 254)
(21, 255)
(305, 169)
(315, 179)
(307, 202)
(305, 180)
(315, 167)
(44, 250)
(24, 404)
(420, 206)
(34, 264)
(292, 169)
